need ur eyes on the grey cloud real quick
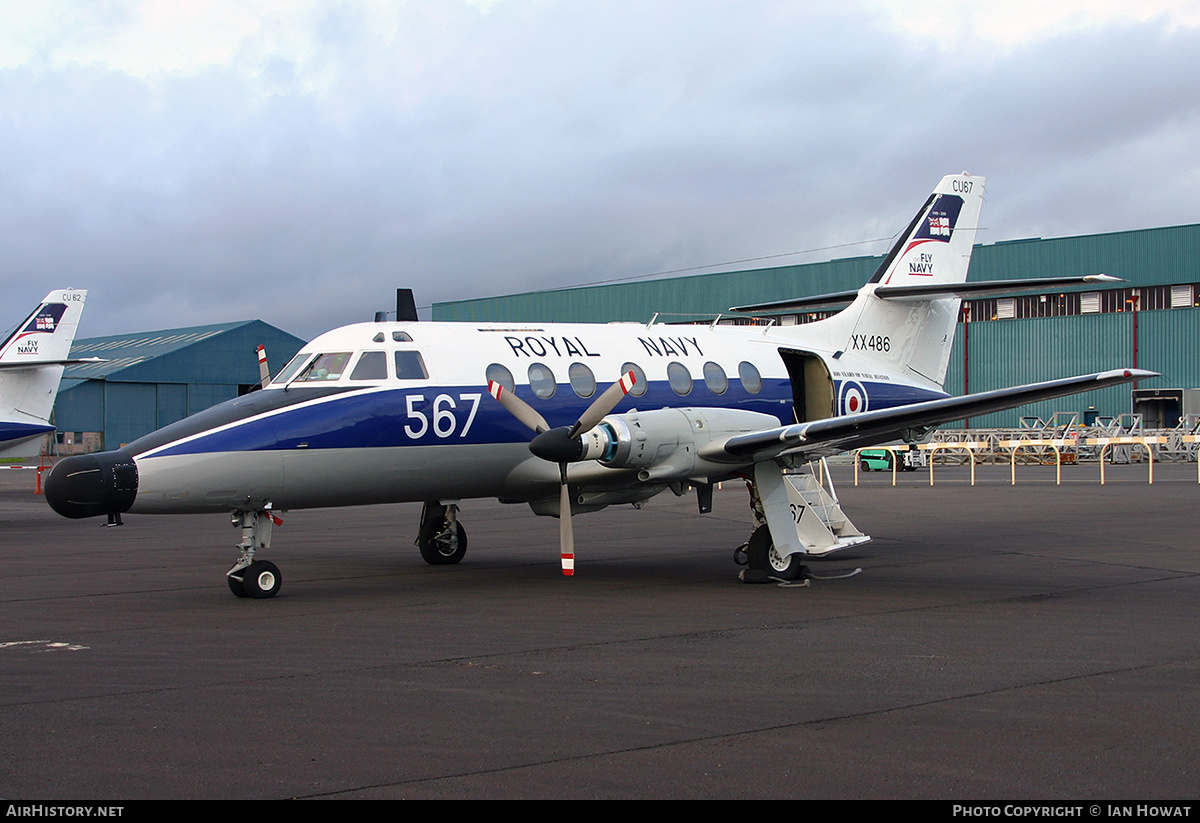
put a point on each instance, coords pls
(542, 145)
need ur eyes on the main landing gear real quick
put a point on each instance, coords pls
(796, 516)
(258, 579)
(441, 538)
(762, 555)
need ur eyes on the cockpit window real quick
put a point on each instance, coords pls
(372, 365)
(326, 367)
(402, 337)
(293, 366)
(410, 366)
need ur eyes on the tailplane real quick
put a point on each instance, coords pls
(32, 359)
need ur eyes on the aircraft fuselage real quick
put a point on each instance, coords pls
(376, 431)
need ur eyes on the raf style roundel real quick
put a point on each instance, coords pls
(852, 398)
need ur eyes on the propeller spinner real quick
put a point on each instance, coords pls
(563, 446)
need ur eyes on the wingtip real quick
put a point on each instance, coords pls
(1127, 374)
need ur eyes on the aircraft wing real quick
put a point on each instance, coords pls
(852, 431)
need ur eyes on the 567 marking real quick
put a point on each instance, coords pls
(870, 342)
(441, 417)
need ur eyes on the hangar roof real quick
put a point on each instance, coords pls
(219, 353)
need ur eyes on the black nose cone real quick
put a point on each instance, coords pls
(89, 485)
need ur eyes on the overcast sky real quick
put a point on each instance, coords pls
(209, 161)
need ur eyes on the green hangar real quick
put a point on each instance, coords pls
(149, 379)
(1152, 320)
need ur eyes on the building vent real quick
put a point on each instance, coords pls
(1181, 297)
(1089, 302)
(1006, 308)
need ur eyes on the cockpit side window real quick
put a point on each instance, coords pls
(372, 365)
(410, 366)
(326, 367)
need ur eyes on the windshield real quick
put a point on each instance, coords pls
(293, 366)
(326, 367)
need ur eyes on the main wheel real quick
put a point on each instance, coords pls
(260, 580)
(864, 465)
(439, 547)
(762, 554)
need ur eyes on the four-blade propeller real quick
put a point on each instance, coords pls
(563, 446)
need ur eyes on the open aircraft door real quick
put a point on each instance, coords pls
(812, 386)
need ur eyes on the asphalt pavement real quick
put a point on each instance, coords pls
(1032, 641)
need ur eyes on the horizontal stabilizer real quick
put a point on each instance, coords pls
(980, 288)
(838, 434)
(989, 288)
(31, 364)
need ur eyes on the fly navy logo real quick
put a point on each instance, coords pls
(28, 346)
(852, 397)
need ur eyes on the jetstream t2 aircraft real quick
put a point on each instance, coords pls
(392, 412)
(31, 367)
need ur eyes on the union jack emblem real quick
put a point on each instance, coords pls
(45, 324)
(939, 226)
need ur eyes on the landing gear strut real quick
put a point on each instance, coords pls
(441, 539)
(258, 579)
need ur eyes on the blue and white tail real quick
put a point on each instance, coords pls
(32, 359)
(903, 319)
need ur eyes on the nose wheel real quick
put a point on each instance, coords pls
(256, 579)
(260, 580)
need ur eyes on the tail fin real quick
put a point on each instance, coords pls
(913, 334)
(31, 365)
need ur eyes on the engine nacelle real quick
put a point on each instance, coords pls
(664, 444)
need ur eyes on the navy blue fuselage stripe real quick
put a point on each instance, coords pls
(382, 419)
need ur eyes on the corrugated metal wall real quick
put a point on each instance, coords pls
(1144, 257)
(1011, 352)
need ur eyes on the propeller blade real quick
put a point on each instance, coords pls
(264, 372)
(566, 531)
(556, 445)
(603, 404)
(518, 408)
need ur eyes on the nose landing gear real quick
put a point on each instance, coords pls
(257, 579)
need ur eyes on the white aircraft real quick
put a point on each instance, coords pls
(392, 412)
(31, 367)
